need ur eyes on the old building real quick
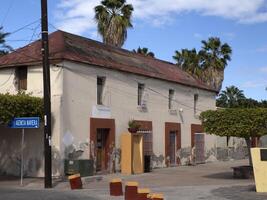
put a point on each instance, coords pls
(96, 90)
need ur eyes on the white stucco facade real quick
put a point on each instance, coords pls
(74, 97)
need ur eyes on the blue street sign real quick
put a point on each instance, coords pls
(25, 122)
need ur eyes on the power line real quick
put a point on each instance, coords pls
(34, 32)
(7, 13)
(53, 26)
(178, 102)
(7, 79)
(24, 27)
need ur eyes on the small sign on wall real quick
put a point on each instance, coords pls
(99, 111)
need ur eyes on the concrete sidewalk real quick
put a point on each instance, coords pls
(208, 181)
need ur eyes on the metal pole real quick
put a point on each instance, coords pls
(47, 97)
(22, 159)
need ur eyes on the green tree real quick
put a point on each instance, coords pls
(4, 48)
(215, 57)
(230, 97)
(144, 51)
(189, 61)
(113, 19)
(243, 123)
(20, 105)
(208, 64)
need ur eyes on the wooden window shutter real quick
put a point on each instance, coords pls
(22, 73)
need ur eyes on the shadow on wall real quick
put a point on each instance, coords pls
(10, 152)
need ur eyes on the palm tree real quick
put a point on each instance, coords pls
(4, 48)
(113, 18)
(189, 61)
(144, 51)
(215, 57)
(230, 97)
(208, 64)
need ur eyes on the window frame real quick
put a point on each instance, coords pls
(21, 75)
(140, 93)
(99, 94)
(196, 98)
(171, 99)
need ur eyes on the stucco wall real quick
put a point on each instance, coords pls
(10, 151)
(35, 87)
(120, 95)
(73, 92)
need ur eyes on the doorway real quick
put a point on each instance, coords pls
(199, 148)
(101, 148)
(102, 144)
(172, 143)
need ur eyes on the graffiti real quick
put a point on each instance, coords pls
(158, 161)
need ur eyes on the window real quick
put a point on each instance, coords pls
(21, 76)
(141, 88)
(195, 103)
(100, 88)
(171, 98)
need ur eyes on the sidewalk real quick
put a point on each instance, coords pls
(212, 181)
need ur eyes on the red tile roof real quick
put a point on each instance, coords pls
(66, 46)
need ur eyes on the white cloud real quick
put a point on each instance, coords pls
(77, 15)
(255, 84)
(263, 69)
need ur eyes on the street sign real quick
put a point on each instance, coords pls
(25, 122)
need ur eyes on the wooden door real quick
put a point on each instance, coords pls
(102, 149)
(199, 148)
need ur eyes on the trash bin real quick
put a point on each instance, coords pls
(147, 163)
(83, 167)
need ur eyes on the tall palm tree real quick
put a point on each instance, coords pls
(4, 48)
(208, 64)
(189, 61)
(215, 57)
(144, 51)
(230, 97)
(113, 19)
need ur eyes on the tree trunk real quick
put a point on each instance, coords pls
(248, 141)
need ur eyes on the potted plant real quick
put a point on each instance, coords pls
(133, 126)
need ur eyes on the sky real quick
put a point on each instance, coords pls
(163, 26)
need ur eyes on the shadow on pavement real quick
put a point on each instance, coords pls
(239, 192)
(223, 175)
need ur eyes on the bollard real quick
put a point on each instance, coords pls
(142, 194)
(75, 182)
(115, 187)
(155, 197)
(131, 190)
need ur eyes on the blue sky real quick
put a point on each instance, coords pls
(164, 26)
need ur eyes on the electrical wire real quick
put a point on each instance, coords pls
(150, 89)
(24, 27)
(5, 82)
(7, 12)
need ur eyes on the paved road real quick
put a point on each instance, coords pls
(211, 181)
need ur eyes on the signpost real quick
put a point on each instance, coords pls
(24, 123)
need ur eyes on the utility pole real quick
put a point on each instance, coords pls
(47, 97)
